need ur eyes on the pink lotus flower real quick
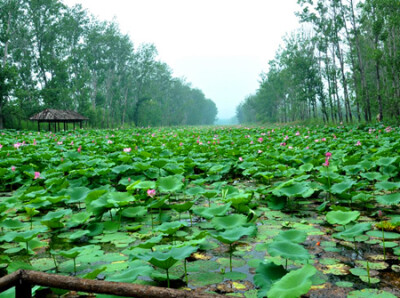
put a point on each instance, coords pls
(297, 133)
(260, 140)
(282, 144)
(127, 150)
(13, 168)
(358, 143)
(1, 146)
(109, 142)
(17, 145)
(37, 175)
(328, 154)
(326, 163)
(79, 149)
(323, 139)
(72, 143)
(240, 158)
(129, 179)
(151, 193)
(59, 143)
(259, 151)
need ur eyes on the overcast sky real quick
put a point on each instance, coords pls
(219, 46)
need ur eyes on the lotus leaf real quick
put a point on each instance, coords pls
(387, 235)
(169, 184)
(353, 231)
(300, 189)
(370, 293)
(171, 227)
(293, 284)
(230, 236)
(132, 212)
(267, 274)
(229, 222)
(389, 199)
(342, 217)
(296, 236)
(213, 210)
(388, 186)
(288, 250)
(340, 188)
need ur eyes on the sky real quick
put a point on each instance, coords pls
(219, 46)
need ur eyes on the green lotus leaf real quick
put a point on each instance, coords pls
(293, 284)
(78, 219)
(141, 185)
(118, 199)
(389, 199)
(166, 259)
(300, 189)
(195, 190)
(70, 254)
(53, 219)
(214, 210)
(136, 269)
(371, 176)
(388, 186)
(288, 250)
(228, 222)
(342, 217)
(354, 231)
(171, 227)
(291, 235)
(169, 184)
(340, 188)
(267, 274)
(359, 271)
(370, 293)
(230, 236)
(182, 207)
(121, 169)
(20, 236)
(77, 194)
(151, 242)
(386, 161)
(12, 224)
(132, 212)
(387, 235)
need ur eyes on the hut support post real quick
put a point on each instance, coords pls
(49, 126)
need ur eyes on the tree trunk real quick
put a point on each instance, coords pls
(367, 105)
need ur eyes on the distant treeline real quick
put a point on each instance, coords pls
(343, 65)
(54, 56)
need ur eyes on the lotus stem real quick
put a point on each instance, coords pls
(168, 278)
(75, 266)
(286, 264)
(190, 216)
(186, 276)
(383, 244)
(27, 247)
(369, 277)
(230, 256)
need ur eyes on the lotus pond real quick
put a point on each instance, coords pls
(239, 211)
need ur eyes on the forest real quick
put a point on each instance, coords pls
(54, 56)
(343, 65)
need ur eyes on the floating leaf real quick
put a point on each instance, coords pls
(370, 293)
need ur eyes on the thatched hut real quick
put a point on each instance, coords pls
(57, 117)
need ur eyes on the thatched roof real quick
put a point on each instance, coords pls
(58, 115)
